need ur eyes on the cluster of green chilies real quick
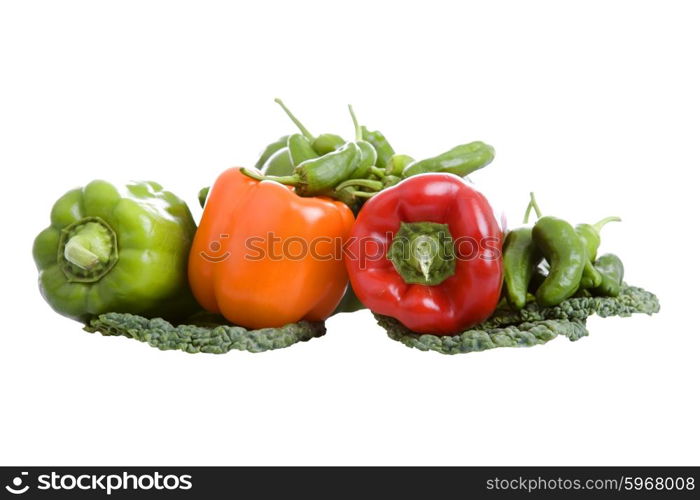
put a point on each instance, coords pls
(353, 171)
(554, 261)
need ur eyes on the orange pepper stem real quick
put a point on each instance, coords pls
(290, 180)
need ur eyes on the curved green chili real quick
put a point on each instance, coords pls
(461, 160)
(612, 272)
(271, 149)
(564, 250)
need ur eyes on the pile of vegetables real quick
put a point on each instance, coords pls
(319, 226)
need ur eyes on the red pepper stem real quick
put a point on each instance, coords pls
(423, 253)
(358, 130)
(535, 206)
(599, 225)
(290, 180)
(296, 121)
(366, 183)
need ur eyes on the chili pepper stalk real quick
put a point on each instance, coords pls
(324, 143)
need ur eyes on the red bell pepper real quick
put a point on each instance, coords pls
(428, 253)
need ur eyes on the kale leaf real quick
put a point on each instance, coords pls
(530, 326)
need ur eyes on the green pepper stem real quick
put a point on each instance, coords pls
(87, 250)
(379, 172)
(361, 194)
(290, 180)
(358, 129)
(367, 183)
(526, 217)
(599, 225)
(535, 206)
(296, 121)
(76, 253)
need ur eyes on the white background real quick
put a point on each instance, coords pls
(593, 105)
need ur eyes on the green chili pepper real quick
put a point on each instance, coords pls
(368, 153)
(461, 160)
(271, 149)
(564, 250)
(590, 236)
(202, 196)
(611, 269)
(300, 150)
(280, 163)
(397, 164)
(324, 143)
(318, 175)
(538, 276)
(390, 180)
(590, 277)
(590, 233)
(381, 146)
(520, 258)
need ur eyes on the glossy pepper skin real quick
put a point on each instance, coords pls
(562, 247)
(239, 267)
(271, 149)
(318, 176)
(300, 150)
(279, 163)
(435, 208)
(590, 237)
(111, 249)
(461, 160)
(612, 271)
(381, 146)
(520, 258)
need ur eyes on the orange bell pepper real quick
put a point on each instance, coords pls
(264, 256)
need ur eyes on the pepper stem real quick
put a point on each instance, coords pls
(534, 204)
(77, 254)
(296, 121)
(87, 250)
(289, 180)
(599, 225)
(358, 129)
(526, 217)
(423, 253)
(360, 194)
(379, 172)
(368, 183)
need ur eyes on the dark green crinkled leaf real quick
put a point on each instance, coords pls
(531, 326)
(207, 334)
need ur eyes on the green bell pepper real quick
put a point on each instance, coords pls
(116, 250)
